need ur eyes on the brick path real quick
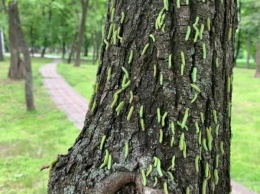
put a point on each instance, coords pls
(75, 106)
(68, 100)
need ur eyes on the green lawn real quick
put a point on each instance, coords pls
(29, 140)
(82, 78)
(245, 167)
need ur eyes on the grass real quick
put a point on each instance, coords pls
(245, 158)
(241, 63)
(245, 167)
(29, 140)
(82, 78)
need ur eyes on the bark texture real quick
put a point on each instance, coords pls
(159, 120)
(84, 4)
(1, 46)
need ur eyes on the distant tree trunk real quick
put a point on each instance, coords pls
(43, 51)
(84, 4)
(86, 46)
(13, 5)
(257, 61)
(248, 50)
(16, 69)
(1, 46)
(63, 49)
(160, 119)
(73, 48)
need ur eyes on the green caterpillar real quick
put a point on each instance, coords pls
(144, 177)
(222, 147)
(103, 139)
(204, 186)
(195, 87)
(204, 50)
(126, 72)
(93, 108)
(216, 129)
(131, 97)
(105, 160)
(204, 144)
(181, 143)
(194, 74)
(206, 170)
(154, 70)
(182, 58)
(107, 43)
(109, 164)
(172, 141)
(187, 190)
(161, 79)
(141, 111)
(216, 177)
(158, 115)
(184, 151)
(199, 138)
(145, 49)
(197, 127)
(208, 24)
(158, 167)
(172, 128)
(163, 118)
(187, 33)
(152, 37)
(201, 31)
(142, 124)
(130, 113)
(197, 163)
(130, 59)
(166, 4)
(185, 118)
(173, 162)
(155, 181)
(202, 117)
(229, 33)
(165, 188)
(126, 149)
(109, 74)
(161, 136)
(215, 118)
(170, 61)
(119, 107)
(149, 170)
(122, 17)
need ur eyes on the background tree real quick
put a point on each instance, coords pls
(20, 57)
(248, 32)
(84, 5)
(160, 115)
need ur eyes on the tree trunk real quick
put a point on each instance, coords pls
(16, 69)
(257, 61)
(73, 48)
(63, 49)
(160, 116)
(84, 4)
(43, 51)
(1, 46)
(248, 50)
(26, 58)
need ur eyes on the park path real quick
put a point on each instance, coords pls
(75, 106)
(66, 99)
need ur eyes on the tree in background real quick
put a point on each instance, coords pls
(160, 116)
(84, 5)
(20, 63)
(248, 32)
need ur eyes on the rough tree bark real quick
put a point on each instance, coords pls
(160, 115)
(26, 59)
(16, 69)
(84, 5)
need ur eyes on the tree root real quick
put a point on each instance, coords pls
(116, 181)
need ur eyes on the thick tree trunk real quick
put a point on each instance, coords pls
(26, 58)
(248, 50)
(257, 61)
(16, 69)
(84, 4)
(160, 115)
(43, 51)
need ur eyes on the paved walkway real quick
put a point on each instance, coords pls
(67, 100)
(75, 106)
